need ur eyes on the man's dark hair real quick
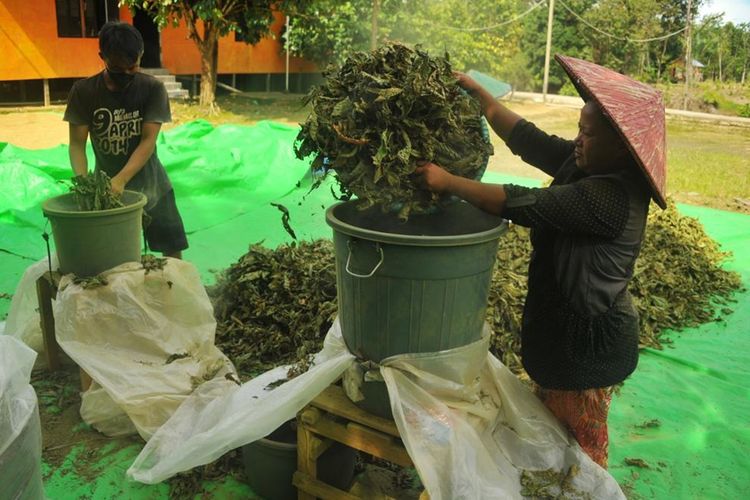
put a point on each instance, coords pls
(120, 39)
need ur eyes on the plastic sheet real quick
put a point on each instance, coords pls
(23, 318)
(221, 416)
(468, 424)
(20, 430)
(146, 339)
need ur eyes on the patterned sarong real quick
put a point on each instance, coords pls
(584, 413)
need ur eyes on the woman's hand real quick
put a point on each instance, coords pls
(434, 178)
(466, 82)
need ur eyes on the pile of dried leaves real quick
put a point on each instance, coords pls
(678, 282)
(275, 306)
(94, 192)
(380, 113)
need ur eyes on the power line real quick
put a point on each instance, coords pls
(494, 26)
(624, 39)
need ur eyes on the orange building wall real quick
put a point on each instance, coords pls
(30, 48)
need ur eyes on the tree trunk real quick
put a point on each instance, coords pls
(209, 50)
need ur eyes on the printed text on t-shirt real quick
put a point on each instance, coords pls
(113, 129)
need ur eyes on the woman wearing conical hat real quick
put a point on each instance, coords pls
(580, 329)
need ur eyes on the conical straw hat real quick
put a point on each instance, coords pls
(635, 110)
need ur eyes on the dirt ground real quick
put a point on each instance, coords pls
(34, 130)
(44, 128)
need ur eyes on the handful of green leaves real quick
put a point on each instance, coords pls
(94, 192)
(380, 113)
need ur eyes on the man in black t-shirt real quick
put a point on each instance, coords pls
(123, 109)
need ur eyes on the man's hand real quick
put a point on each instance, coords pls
(118, 185)
(434, 178)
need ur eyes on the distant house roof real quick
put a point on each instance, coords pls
(698, 64)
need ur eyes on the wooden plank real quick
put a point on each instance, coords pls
(45, 290)
(333, 400)
(307, 463)
(357, 437)
(318, 489)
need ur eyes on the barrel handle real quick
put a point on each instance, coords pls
(349, 259)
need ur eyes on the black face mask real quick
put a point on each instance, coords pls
(121, 80)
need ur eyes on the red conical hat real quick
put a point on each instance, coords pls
(635, 110)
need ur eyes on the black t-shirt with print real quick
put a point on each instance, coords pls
(115, 120)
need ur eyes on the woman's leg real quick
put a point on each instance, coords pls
(584, 413)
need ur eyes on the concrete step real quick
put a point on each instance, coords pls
(178, 94)
(155, 71)
(174, 88)
(173, 85)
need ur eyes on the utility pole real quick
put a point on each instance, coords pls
(549, 48)
(374, 29)
(286, 46)
(688, 53)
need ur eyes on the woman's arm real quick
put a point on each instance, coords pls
(488, 197)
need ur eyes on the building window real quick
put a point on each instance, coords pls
(84, 18)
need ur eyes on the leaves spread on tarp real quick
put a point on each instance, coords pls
(94, 192)
(379, 114)
(275, 306)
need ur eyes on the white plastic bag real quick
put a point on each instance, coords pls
(146, 339)
(468, 424)
(23, 316)
(221, 416)
(471, 427)
(20, 429)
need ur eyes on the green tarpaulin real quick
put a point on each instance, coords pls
(682, 416)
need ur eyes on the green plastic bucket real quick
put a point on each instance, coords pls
(415, 286)
(88, 243)
(270, 464)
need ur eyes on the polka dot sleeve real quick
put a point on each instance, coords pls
(593, 207)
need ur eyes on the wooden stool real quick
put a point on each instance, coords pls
(46, 290)
(332, 417)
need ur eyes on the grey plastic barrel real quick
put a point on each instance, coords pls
(90, 242)
(415, 286)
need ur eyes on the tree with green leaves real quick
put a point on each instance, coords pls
(327, 31)
(207, 21)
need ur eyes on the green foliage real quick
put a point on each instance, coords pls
(568, 89)
(568, 38)
(327, 31)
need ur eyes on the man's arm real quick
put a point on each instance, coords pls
(138, 159)
(78, 134)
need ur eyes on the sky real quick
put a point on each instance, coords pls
(736, 11)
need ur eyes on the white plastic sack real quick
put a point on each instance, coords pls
(470, 427)
(221, 416)
(20, 429)
(23, 315)
(123, 335)
(468, 424)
